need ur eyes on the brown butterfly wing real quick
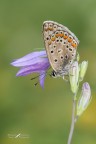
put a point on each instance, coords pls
(60, 44)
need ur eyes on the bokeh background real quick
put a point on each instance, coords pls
(44, 115)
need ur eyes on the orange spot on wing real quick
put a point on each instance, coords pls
(65, 37)
(61, 35)
(49, 42)
(46, 29)
(57, 35)
(74, 45)
(53, 38)
(69, 40)
(50, 29)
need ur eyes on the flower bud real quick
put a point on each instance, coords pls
(83, 68)
(84, 100)
(74, 75)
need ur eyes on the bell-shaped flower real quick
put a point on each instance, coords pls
(84, 99)
(35, 62)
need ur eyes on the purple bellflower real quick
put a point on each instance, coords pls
(35, 62)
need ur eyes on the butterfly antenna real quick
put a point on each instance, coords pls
(47, 73)
(40, 75)
(41, 79)
(35, 77)
(35, 84)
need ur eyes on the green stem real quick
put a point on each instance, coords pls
(73, 121)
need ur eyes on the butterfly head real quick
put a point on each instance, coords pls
(53, 74)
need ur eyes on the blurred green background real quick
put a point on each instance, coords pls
(44, 115)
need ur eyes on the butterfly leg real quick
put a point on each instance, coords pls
(65, 78)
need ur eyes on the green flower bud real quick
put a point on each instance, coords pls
(83, 67)
(84, 100)
(74, 75)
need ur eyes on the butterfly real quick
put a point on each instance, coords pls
(61, 47)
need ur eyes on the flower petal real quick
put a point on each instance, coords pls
(42, 78)
(35, 62)
(29, 59)
(41, 66)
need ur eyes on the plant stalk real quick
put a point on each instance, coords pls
(72, 122)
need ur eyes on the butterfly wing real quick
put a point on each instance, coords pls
(60, 44)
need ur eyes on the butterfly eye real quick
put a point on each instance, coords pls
(53, 74)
